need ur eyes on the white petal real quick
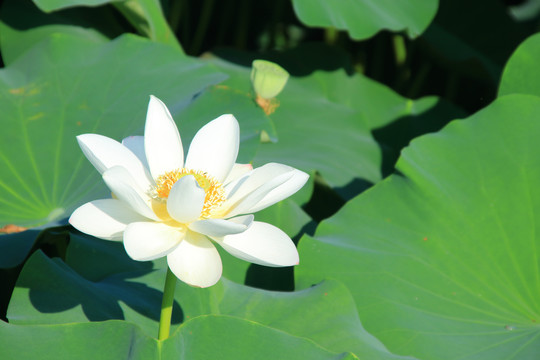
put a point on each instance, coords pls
(283, 191)
(104, 153)
(196, 261)
(124, 187)
(162, 143)
(136, 145)
(186, 200)
(151, 240)
(244, 205)
(215, 147)
(243, 185)
(221, 227)
(262, 244)
(106, 219)
(236, 172)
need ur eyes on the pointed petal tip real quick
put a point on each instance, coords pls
(162, 142)
(214, 147)
(228, 120)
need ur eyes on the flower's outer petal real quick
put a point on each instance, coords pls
(244, 205)
(106, 219)
(105, 153)
(196, 261)
(237, 171)
(124, 187)
(215, 147)
(283, 191)
(162, 143)
(186, 200)
(252, 180)
(136, 145)
(151, 240)
(221, 227)
(262, 244)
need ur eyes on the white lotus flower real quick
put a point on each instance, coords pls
(163, 206)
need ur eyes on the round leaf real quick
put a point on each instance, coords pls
(520, 75)
(443, 260)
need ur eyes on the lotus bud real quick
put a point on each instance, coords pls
(268, 78)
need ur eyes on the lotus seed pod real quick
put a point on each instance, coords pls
(268, 78)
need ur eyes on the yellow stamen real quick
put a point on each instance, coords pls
(213, 189)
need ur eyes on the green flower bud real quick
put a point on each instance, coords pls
(267, 78)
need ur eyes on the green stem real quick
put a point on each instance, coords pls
(331, 35)
(400, 49)
(167, 306)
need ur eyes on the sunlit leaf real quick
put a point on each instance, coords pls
(50, 292)
(231, 338)
(520, 74)
(443, 260)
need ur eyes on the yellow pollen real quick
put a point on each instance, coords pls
(213, 190)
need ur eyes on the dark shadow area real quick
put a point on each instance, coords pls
(324, 202)
(270, 278)
(65, 269)
(242, 24)
(275, 278)
(15, 249)
(24, 15)
(397, 135)
(8, 279)
(300, 61)
(353, 188)
(99, 301)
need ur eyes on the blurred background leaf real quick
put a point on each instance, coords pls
(364, 18)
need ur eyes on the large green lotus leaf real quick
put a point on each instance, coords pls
(206, 337)
(324, 314)
(50, 292)
(364, 18)
(520, 75)
(109, 340)
(443, 260)
(79, 86)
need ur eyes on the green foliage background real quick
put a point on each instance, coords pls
(418, 121)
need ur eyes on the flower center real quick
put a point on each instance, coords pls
(214, 193)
